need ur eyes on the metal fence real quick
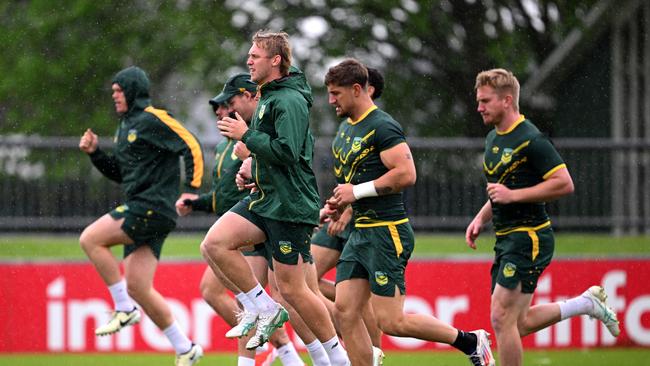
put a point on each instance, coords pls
(47, 184)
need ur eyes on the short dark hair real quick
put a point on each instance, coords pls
(347, 73)
(376, 80)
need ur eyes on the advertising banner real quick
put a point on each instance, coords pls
(55, 307)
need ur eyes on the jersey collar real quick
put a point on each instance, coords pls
(514, 125)
(364, 115)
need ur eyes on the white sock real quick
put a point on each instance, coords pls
(261, 299)
(245, 361)
(121, 297)
(177, 338)
(246, 303)
(289, 356)
(576, 306)
(317, 353)
(336, 353)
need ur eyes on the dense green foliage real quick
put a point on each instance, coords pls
(59, 57)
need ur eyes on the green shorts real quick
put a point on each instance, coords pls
(150, 229)
(380, 255)
(284, 240)
(259, 250)
(522, 256)
(322, 239)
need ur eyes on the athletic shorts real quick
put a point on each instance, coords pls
(148, 229)
(285, 241)
(380, 255)
(522, 256)
(322, 239)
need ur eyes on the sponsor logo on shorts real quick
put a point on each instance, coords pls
(132, 136)
(285, 247)
(509, 270)
(381, 278)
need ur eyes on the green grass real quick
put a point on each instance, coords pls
(592, 357)
(186, 246)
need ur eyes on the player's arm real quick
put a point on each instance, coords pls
(558, 184)
(401, 174)
(474, 228)
(106, 164)
(291, 124)
(171, 135)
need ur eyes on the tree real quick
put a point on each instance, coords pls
(59, 58)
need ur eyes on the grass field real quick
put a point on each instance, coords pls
(185, 247)
(591, 357)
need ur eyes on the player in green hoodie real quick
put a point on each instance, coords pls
(284, 207)
(148, 143)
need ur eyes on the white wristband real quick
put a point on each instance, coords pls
(364, 190)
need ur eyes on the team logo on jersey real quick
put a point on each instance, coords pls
(356, 144)
(121, 208)
(506, 156)
(261, 113)
(233, 156)
(381, 278)
(285, 246)
(132, 136)
(495, 149)
(509, 270)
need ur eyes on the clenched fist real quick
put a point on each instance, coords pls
(88, 142)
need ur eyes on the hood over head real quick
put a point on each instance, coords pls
(135, 84)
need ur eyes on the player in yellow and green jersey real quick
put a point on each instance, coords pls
(523, 171)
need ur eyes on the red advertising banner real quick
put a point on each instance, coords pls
(54, 307)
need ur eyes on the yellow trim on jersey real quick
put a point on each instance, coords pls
(397, 242)
(516, 150)
(380, 223)
(550, 172)
(257, 184)
(514, 125)
(223, 155)
(186, 136)
(364, 115)
(524, 228)
(535, 239)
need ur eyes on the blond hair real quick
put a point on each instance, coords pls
(275, 44)
(503, 82)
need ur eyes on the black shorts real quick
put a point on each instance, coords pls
(148, 229)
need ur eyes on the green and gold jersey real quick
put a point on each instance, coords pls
(356, 150)
(224, 193)
(518, 158)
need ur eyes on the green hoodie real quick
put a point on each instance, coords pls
(282, 147)
(148, 143)
(224, 193)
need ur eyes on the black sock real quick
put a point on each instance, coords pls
(465, 342)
